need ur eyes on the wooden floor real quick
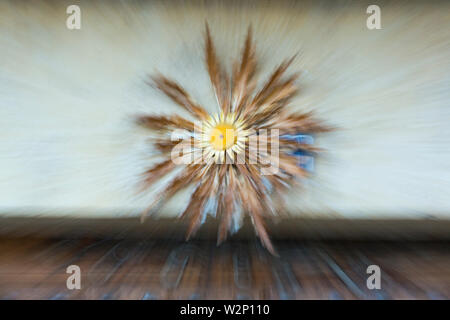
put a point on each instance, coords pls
(32, 268)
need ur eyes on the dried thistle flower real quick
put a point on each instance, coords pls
(229, 170)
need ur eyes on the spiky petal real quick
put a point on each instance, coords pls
(238, 185)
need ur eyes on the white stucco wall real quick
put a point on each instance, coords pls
(68, 145)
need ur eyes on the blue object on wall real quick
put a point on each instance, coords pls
(305, 158)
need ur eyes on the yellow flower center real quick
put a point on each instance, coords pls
(223, 136)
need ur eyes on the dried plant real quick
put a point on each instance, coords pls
(234, 187)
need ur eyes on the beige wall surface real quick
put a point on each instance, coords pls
(68, 145)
